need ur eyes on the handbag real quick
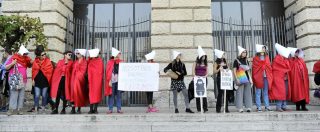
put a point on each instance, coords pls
(241, 73)
(316, 93)
(16, 80)
(172, 74)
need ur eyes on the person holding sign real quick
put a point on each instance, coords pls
(60, 86)
(95, 76)
(281, 88)
(243, 80)
(219, 65)
(79, 95)
(200, 68)
(299, 80)
(262, 76)
(177, 84)
(150, 59)
(111, 88)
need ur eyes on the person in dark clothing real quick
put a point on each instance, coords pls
(151, 108)
(219, 65)
(177, 85)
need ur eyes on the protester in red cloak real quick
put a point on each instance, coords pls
(42, 70)
(281, 88)
(262, 76)
(299, 80)
(95, 76)
(60, 86)
(78, 92)
(111, 88)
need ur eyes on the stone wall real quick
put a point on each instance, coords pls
(307, 24)
(180, 25)
(52, 13)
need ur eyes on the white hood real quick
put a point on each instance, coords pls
(94, 53)
(293, 52)
(218, 53)
(200, 52)
(115, 52)
(81, 51)
(175, 54)
(283, 51)
(150, 56)
(259, 48)
(23, 50)
(240, 50)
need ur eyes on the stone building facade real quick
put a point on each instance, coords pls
(179, 25)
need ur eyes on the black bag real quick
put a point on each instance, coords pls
(317, 78)
(316, 93)
(191, 91)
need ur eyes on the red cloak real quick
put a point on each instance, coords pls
(280, 68)
(258, 66)
(78, 92)
(110, 64)
(61, 69)
(23, 60)
(299, 80)
(316, 67)
(45, 66)
(95, 76)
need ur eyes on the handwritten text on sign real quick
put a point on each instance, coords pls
(138, 77)
(226, 80)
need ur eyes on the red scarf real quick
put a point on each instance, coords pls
(45, 66)
(23, 60)
(110, 64)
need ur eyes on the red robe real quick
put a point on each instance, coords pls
(78, 92)
(299, 80)
(45, 66)
(258, 66)
(61, 69)
(23, 60)
(110, 64)
(95, 76)
(280, 68)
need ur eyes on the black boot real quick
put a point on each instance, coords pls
(73, 111)
(79, 110)
(95, 109)
(176, 111)
(218, 109)
(63, 111)
(55, 111)
(91, 109)
(298, 104)
(303, 106)
(188, 110)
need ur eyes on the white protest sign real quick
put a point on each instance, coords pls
(200, 86)
(226, 80)
(138, 77)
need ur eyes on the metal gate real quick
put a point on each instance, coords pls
(131, 38)
(228, 34)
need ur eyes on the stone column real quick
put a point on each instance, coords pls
(53, 14)
(180, 25)
(307, 25)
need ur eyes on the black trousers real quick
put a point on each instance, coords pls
(220, 97)
(204, 103)
(61, 93)
(149, 98)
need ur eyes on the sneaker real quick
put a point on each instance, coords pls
(259, 110)
(279, 110)
(10, 112)
(120, 111)
(286, 109)
(54, 111)
(240, 110)
(154, 109)
(268, 109)
(63, 112)
(20, 112)
(248, 110)
(31, 110)
(109, 112)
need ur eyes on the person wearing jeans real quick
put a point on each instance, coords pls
(42, 70)
(262, 76)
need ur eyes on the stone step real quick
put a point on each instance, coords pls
(166, 117)
(162, 126)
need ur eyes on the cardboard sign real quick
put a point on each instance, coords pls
(200, 86)
(226, 80)
(138, 77)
